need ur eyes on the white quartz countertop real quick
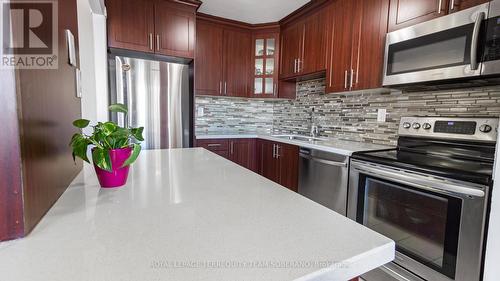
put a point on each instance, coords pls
(188, 214)
(342, 147)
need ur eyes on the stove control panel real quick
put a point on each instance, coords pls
(472, 129)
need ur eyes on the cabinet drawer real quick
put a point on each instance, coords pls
(214, 144)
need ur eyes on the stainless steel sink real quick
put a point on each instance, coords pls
(298, 138)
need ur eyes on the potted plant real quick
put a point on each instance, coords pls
(114, 148)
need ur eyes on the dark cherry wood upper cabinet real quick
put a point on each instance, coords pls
(339, 46)
(458, 5)
(131, 24)
(288, 157)
(313, 55)
(175, 29)
(265, 63)
(404, 13)
(369, 31)
(236, 62)
(243, 152)
(208, 59)
(291, 49)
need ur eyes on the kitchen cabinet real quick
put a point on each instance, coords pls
(243, 153)
(236, 62)
(175, 29)
(208, 59)
(266, 64)
(458, 5)
(404, 13)
(279, 162)
(165, 27)
(130, 24)
(303, 46)
(222, 60)
(240, 151)
(356, 40)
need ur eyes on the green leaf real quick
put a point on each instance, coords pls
(79, 145)
(137, 133)
(118, 107)
(101, 159)
(135, 153)
(81, 123)
(109, 128)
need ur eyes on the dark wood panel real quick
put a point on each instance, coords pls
(131, 24)
(223, 153)
(175, 29)
(268, 166)
(214, 144)
(340, 45)
(404, 13)
(291, 49)
(11, 201)
(314, 43)
(288, 156)
(465, 4)
(49, 105)
(236, 62)
(370, 29)
(208, 59)
(243, 152)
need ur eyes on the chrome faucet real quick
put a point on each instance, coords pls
(314, 128)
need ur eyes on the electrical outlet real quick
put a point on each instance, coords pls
(381, 115)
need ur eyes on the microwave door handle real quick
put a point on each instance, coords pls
(475, 38)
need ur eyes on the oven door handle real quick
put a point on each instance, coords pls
(474, 65)
(421, 182)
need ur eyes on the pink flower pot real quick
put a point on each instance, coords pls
(118, 176)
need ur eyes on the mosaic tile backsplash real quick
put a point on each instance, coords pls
(348, 116)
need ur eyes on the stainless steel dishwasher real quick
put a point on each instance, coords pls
(323, 178)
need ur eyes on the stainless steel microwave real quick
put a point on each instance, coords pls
(462, 45)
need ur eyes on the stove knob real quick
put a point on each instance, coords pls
(485, 128)
(426, 126)
(406, 125)
(416, 126)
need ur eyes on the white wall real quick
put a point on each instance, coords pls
(492, 260)
(93, 62)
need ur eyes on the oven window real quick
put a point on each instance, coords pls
(437, 50)
(424, 225)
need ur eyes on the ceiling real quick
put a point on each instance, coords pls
(251, 11)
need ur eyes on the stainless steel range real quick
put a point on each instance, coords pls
(430, 195)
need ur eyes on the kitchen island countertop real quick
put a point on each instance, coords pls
(188, 214)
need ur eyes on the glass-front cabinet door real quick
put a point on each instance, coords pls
(265, 61)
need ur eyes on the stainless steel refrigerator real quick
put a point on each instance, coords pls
(159, 98)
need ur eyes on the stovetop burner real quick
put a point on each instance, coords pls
(443, 150)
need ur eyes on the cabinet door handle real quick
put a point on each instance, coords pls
(151, 41)
(157, 42)
(439, 6)
(213, 144)
(274, 150)
(345, 80)
(274, 89)
(225, 88)
(452, 5)
(298, 65)
(220, 87)
(278, 147)
(232, 147)
(295, 66)
(351, 79)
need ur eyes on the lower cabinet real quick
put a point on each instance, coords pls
(241, 151)
(279, 162)
(276, 161)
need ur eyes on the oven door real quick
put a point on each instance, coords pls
(440, 49)
(437, 224)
